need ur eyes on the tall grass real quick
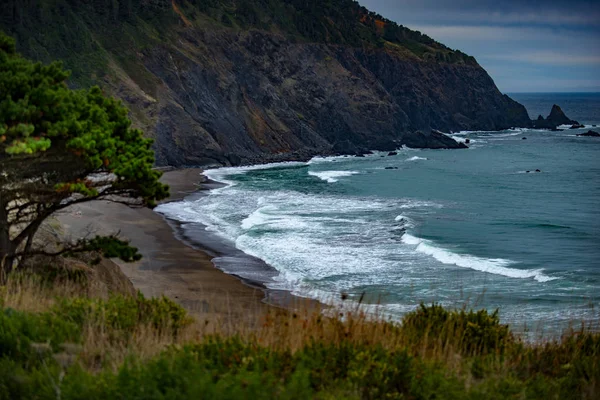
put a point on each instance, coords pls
(58, 339)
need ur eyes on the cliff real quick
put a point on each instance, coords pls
(223, 82)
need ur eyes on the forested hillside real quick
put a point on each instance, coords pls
(229, 81)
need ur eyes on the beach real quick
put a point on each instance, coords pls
(169, 266)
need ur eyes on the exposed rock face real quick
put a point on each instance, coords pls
(232, 98)
(557, 117)
(213, 95)
(432, 140)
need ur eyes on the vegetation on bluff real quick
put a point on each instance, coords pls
(90, 35)
(59, 340)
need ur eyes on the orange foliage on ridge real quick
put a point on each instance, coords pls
(178, 12)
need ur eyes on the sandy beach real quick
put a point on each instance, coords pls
(169, 266)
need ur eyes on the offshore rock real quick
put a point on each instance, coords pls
(556, 118)
(590, 134)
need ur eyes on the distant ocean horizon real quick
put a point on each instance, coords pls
(463, 228)
(583, 107)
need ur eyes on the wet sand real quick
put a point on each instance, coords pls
(170, 266)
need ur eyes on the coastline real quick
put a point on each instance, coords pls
(172, 265)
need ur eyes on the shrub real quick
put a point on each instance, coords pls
(124, 313)
(20, 332)
(473, 332)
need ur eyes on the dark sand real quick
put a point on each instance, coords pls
(171, 266)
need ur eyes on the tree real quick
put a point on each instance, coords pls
(60, 147)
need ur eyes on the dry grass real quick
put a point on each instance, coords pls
(471, 347)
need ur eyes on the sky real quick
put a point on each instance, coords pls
(526, 46)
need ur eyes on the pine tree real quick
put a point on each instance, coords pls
(60, 147)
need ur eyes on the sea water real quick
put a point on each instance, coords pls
(475, 228)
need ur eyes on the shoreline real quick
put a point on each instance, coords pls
(171, 265)
(225, 257)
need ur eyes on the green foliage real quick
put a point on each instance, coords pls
(59, 147)
(472, 332)
(121, 314)
(40, 114)
(329, 21)
(111, 246)
(19, 332)
(36, 362)
(87, 34)
(36, 348)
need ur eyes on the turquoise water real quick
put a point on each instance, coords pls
(458, 227)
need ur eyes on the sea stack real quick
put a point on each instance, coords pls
(556, 118)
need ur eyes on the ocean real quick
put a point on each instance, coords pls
(462, 228)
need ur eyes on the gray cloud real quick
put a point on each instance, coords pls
(526, 46)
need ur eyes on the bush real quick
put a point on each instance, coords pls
(473, 332)
(124, 313)
(24, 335)
(40, 358)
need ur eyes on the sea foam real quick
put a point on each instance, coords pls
(220, 174)
(332, 176)
(498, 266)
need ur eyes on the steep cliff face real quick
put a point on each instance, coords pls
(227, 97)
(212, 94)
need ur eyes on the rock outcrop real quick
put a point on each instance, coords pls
(590, 134)
(556, 118)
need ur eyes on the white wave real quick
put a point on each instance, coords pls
(503, 135)
(404, 221)
(498, 266)
(415, 158)
(257, 218)
(269, 216)
(332, 176)
(567, 127)
(219, 174)
(512, 130)
(419, 204)
(324, 160)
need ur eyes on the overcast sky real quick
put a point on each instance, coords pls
(526, 46)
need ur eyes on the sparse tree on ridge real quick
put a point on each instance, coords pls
(60, 147)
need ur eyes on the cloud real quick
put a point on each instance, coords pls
(550, 58)
(498, 33)
(574, 12)
(525, 45)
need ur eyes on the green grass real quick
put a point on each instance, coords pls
(130, 347)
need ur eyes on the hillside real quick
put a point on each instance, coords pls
(227, 82)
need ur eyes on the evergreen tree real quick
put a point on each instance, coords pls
(60, 147)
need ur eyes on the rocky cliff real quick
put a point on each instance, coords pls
(211, 92)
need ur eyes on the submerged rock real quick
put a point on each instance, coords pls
(392, 153)
(590, 134)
